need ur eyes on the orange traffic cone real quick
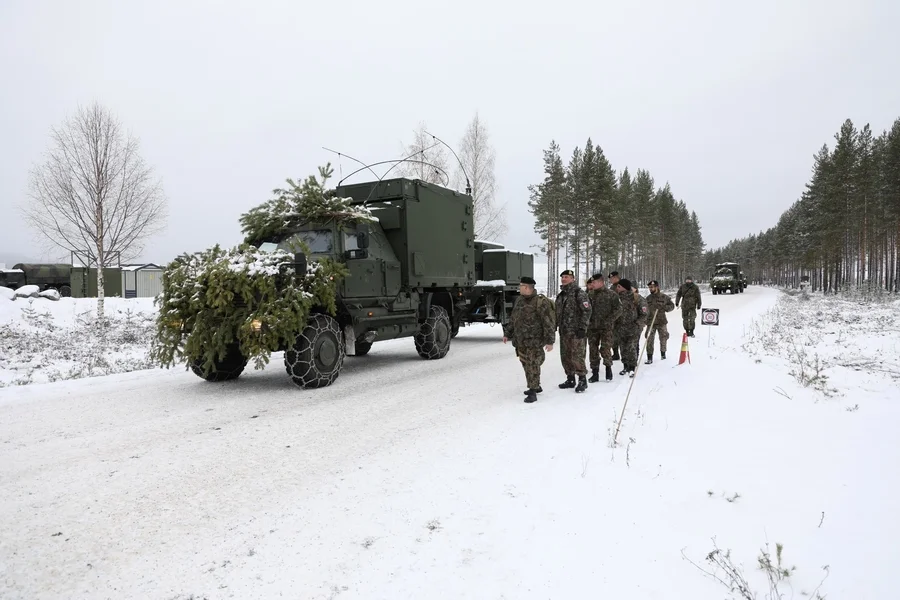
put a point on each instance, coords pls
(685, 353)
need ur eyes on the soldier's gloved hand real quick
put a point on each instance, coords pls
(580, 333)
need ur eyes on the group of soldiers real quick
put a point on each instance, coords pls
(607, 321)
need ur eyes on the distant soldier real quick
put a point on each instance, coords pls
(661, 304)
(606, 308)
(613, 282)
(633, 321)
(689, 297)
(532, 329)
(573, 313)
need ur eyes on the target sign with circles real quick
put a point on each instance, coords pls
(710, 316)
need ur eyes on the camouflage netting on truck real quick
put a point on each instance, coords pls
(221, 297)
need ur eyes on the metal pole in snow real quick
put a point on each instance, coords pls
(640, 356)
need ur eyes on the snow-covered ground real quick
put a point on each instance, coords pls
(420, 479)
(44, 340)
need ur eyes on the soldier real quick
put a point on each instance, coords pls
(573, 313)
(532, 329)
(633, 321)
(689, 297)
(613, 282)
(661, 304)
(606, 308)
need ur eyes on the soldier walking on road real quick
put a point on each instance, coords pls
(573, 313)
(532, 329)
(689, 297)
(606, 308)
(634, 319)
(661, 303)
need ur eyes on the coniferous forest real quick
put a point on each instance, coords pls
(592, 219)
(843, 231)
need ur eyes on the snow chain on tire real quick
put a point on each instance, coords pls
(315, 358)
(433, 338)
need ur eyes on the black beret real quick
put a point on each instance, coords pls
(653, 282)
(528, 280)
(613, 273)
(597, 276)
(625, 284)
(567, 272)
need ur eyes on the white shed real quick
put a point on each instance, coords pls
(141, 281)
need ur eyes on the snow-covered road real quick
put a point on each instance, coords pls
(404, 479)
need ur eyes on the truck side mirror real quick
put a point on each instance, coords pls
(300, 264)
(362, 239)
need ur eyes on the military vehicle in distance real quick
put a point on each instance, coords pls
(727, 277)
(47, 276)
(413, 273)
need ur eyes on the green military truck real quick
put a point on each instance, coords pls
(410, 271)
(727, 278)
(498, 271)
(47, 276)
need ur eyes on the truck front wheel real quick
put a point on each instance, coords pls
(229, 367)
(433, 338)
(317, 355)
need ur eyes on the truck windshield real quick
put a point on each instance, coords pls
(320, 241)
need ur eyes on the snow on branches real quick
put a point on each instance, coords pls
(217, 296)
(307, 202)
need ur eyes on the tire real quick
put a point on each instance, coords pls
(433, 338)
(362, 348)
(65, 291)
(230, 367)
(317, 355)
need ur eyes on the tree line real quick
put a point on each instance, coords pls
(843, 231)
(597, 220)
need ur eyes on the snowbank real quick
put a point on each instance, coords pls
(828, 342)
(42, 340)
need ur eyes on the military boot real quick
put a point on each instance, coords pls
(624, 371)
(569, 383)
(536, 391)
(649, 360)
(582, 383)
(531, 397)
(662, 355)
(595, 375)
(615, 355)
(609, 373)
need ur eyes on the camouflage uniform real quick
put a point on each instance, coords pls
(573, 313)
(634, 319)
(606, 308)
(531, 326)
(661, 303)
(689, 297)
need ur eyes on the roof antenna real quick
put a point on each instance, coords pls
(468, 186)
(351, 158)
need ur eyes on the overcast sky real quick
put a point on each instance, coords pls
(726, 101)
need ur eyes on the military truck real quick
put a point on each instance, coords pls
(12, 278)
(498, 271)
(48, 276)
(412, 273)
(726, 278)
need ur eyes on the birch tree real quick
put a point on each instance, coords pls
(94, 194)
(477, 157)
(427, 158)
